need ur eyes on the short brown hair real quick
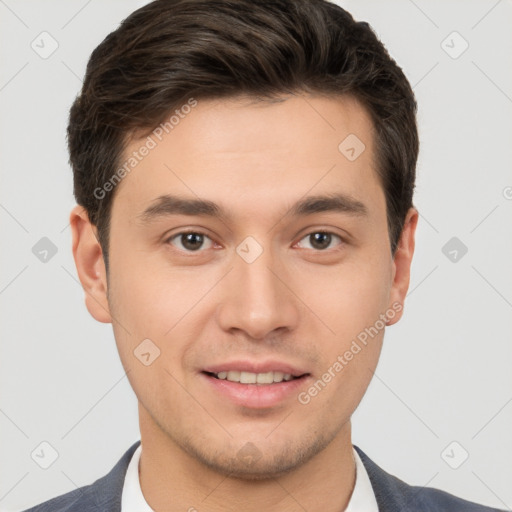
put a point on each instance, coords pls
(171, 50)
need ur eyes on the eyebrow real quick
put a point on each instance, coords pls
(174, 205)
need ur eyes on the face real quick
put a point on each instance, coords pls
(251, 253)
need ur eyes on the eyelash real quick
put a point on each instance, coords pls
(182, 233)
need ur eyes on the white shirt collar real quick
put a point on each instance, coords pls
(132, 499)
(362, 499)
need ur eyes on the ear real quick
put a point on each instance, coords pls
(90, 264)
(402, 264)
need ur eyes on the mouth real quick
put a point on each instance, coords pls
(254, 386)
(244, 377)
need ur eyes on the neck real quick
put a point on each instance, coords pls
(171, 480)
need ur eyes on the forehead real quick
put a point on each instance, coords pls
(243, 154)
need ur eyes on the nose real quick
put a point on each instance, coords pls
(257, 299)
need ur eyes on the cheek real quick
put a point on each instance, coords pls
(167, 306)
(152, 297)
(150, 313)
(348, 297)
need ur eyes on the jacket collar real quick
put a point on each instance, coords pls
(107, 491)
(391, 493)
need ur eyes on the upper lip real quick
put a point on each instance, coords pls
(256, 367)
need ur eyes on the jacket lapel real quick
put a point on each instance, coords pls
(390, 492)
(107, 491)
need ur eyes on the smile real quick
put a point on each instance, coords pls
(244, 377)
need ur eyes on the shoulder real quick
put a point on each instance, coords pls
(431, 499)
(393, 494)
(104, 494)
(71, 501)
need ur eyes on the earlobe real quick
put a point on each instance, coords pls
(90, 265)
(402, 265)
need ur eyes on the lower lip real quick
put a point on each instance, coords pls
(256, 396)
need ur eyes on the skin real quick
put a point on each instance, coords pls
(295, 303)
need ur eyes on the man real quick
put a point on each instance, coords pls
(244, 173)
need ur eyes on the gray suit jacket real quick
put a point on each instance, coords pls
(393, 495)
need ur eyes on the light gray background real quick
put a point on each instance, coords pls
(445, 370)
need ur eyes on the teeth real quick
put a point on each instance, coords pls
(233, 376)
(254, 378)
(248, 378)
(265, 378)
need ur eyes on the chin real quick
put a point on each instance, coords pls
(251, 463)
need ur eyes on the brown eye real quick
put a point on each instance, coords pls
(320, 240)
(191, 241)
